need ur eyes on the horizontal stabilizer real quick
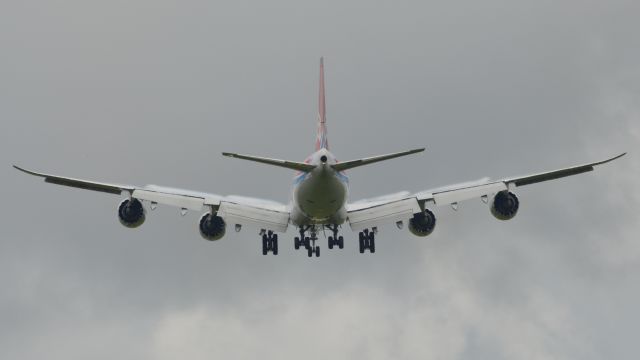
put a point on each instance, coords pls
(360, 162)
(298, 166)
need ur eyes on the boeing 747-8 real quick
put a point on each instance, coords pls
(320, 199)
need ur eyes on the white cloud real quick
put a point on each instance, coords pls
(365, 322)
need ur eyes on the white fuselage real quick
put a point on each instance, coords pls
(319, 196)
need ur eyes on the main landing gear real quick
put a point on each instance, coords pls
(302, 240)
(367, 241)
(269, 242)
(335, 240)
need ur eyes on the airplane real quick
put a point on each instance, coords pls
(319, 200)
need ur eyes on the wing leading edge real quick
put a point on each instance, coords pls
(369, 214)
(454, 194)
(234, 209)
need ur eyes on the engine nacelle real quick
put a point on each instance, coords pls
(422, 224)
(131, 213)
(505, 205)
(212, 227)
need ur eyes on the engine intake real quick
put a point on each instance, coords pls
(212, 227)
(505, 205)
(131, 213)
(422, 224)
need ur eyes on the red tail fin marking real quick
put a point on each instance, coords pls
(321, 139)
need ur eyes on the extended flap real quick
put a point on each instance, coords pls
(390, 212)
(234, 213)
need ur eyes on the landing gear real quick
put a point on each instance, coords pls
(313, 250)
(335, 240)
(301, 240)
(309, 242)
(269, 243)
(367, 240)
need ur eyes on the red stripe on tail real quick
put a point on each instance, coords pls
(321, 139)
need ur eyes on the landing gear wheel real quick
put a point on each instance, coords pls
(331, 242)
(274, 244)
(309, 251)
(265, 245)
(269, 243)
(317, 251)
(367, 241)
(340, 242)
(307, 243)
(296, 242)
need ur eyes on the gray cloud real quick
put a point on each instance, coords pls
(152, 91)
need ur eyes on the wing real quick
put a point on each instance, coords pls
(263, 214)
(368, 214)
(371, 214)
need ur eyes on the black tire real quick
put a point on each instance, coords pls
(265, 245)
(296, 243)
(274, 244)
(340, 242)
(372, 243)
(330, 240)
(307, 243)
(309, 252)
(317, 251)
(361, 243)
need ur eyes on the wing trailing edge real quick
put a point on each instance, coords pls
(79, 183)
(557, 174)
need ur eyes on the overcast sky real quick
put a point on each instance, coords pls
(148, 91)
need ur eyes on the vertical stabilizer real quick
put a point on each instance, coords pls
(321, 139)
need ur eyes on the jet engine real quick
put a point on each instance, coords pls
(131, 213)
(212, 227)
(422, 224)
(505, 205)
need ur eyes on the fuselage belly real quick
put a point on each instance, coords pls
(319, 196)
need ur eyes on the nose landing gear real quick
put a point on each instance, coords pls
(309, 242)
(313, 250)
